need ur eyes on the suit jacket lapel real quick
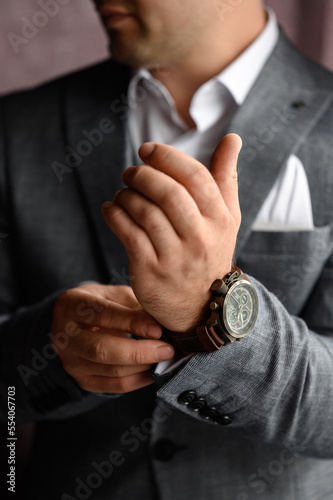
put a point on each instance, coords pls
(94, 102)
(279, 112)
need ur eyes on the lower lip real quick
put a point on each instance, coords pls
(116, 19)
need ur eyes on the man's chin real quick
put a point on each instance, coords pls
(126, 55)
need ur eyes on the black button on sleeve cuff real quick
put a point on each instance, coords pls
(185, 398)
(199, 404)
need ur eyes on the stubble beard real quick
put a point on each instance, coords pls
(143, 51)
(134, 56)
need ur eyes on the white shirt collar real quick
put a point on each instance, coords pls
(241, 74)
(238, 77)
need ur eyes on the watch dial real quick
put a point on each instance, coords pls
(240, 308)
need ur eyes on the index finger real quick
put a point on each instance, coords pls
(105, 348)
(103, 313)
(192, 174)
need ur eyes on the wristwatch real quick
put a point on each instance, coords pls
(233, 313)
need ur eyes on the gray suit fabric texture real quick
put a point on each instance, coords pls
(62, 151)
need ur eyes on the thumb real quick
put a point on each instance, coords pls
(223, 167)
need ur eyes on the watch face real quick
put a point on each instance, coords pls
(240, 308)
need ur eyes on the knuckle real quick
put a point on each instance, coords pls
(104, 316)
(138, 356)
(150, 219)
(200, 253)
(129, 298)
(116, 371)
(133, 244)
(124, 384)
(72, 329)
(107, 313)
(210, 190)
(97, 351)
(234, 177)
(193, 217)
(199, 173)
(224, 219)
(133, 325)
(124, 291)
(172, 196)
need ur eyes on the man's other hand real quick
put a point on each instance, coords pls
(178, 222)
(91, 330)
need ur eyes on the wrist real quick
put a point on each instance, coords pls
(198, 315)
(230, 316)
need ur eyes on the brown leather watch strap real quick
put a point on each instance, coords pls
(203, 339)
(185, 343)
(209, 338)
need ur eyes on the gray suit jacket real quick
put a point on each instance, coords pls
(62, 150)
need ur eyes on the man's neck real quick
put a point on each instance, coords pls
(238, 31)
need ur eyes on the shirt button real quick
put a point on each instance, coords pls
(164, 450)
(185, 398)
(223, 420)
(208, 413)
(197, 404)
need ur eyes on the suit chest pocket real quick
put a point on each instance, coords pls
(288, 263)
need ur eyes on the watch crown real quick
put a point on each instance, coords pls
(214, 306)
(219, 287)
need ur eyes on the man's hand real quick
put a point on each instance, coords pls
(178, 223)
(90, 332)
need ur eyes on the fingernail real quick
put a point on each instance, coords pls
(163, 353)
(116, 194)
(128, 174)
(153, 330)
(107, 205)
(146, 149)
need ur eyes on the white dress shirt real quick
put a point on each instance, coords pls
(153, 117)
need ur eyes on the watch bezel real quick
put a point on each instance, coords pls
(237, 283)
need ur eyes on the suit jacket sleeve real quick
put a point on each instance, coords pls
(28, 362)
(276, 385)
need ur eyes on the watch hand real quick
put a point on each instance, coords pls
(240, 315)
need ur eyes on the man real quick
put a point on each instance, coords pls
(252, 419)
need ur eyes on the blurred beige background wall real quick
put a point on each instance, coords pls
(40, 39)
(68, 35)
